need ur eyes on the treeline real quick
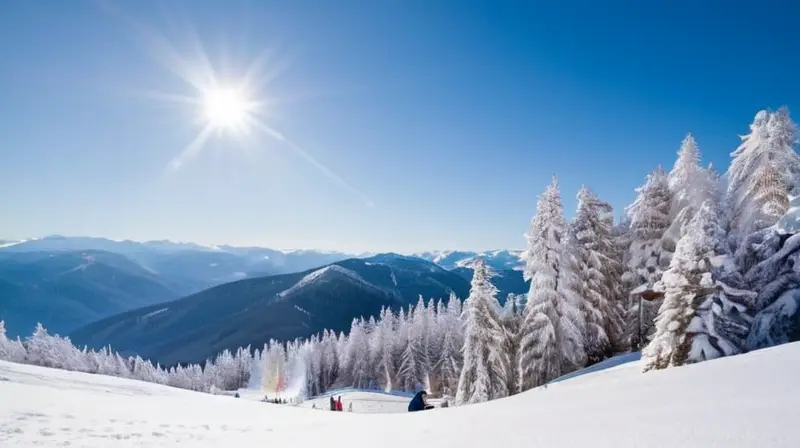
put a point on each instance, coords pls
(228, 371)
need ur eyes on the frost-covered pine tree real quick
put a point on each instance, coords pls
(408, 350)
(438, 334)
(648, 257)
(42, 350)
(762, 178)
(408, 370)
(381, 346)
(599, 270)
(433, 347)
(702, 316)
(484, 373)
(511, 317)
(762, 174)
(552, 329)
(143, 370)
(400, 343)
(691, 185)
(422, 349)
(452, 345)
(313, 366)
(10, 350)
(356, 359)
(330, 359)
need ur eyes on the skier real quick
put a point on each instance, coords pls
(418, 403)
(333, 404)
(339, 404)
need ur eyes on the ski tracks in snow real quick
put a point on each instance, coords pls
(37, 428)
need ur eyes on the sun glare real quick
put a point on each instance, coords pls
(226, 109)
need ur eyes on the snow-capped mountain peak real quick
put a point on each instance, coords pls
(496, 259)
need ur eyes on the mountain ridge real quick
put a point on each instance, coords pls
(507, 258)
(281, 307)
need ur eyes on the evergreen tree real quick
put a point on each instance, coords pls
(648, 256)
(41, 349)
(599, 272)
(389, 328)
(407, 374)
(690, 186)
(762, 174)
(420, 329)
(10, 350)
(511, 318)
(356, 357)
(699, 306)
(552, 329)
(483, 376)
(451, 358)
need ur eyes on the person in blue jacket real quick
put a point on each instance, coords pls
(418, 402)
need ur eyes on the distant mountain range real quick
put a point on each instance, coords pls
(252, 259)
(105, 292)
(68, 282)
(282, 307)
(204, 266)
(66, 289)
(496, 259)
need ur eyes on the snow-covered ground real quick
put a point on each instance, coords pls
(366, 402)
(602, 365)
(747, 400)
(363, 402)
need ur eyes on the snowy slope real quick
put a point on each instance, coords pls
(7, 243)
(741, 401)
(602, 365)
(363, 402)
(327, 274)
(368, 402)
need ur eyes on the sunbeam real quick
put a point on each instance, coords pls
(310, 159)
(192, 149)
(228, 108)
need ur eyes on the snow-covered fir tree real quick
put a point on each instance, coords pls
(762, 175)
(762, 181)
(382, 345)
(484, 373)
(552, 328)
(691, 185)
(702, 316)
(408, 370)
(600, 271)
(511, 317)
(451, 358)
(648, 256)
(356, 358)
(421, 321)
(10, 350)
(776, 279)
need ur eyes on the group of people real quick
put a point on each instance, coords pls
(275, 400)
(336, 405)
(418, 403)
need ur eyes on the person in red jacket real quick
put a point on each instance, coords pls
(339, 404)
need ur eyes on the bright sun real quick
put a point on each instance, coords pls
(226, 109)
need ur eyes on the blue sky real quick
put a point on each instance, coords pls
(451, 116)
